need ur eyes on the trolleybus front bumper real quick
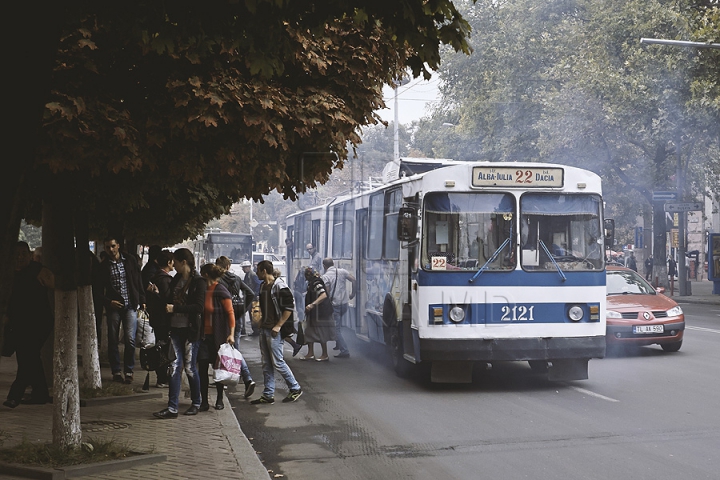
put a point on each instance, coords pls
(512, 349)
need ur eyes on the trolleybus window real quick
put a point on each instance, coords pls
(303, 235)
(375, 227)
(463, 231)
(560, 231)
(382, 226)
(342, 235)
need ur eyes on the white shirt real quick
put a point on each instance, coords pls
(338, 294)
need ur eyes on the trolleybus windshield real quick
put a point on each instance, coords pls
(565, 228)
(462, 231)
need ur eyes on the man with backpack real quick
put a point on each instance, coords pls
(242, 295)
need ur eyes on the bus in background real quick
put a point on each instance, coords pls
(466, 263)
(238, 247)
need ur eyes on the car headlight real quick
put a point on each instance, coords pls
(612, 314)
(457, 314)
(675, 311)
(575, 313)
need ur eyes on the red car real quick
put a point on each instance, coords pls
(638, 314)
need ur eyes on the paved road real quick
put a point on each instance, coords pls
(645, 414)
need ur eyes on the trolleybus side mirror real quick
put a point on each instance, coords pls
(609, 232)
(407, 224)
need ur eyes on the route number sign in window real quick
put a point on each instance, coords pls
(517, 177)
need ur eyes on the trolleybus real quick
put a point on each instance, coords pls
(471, 262)
(238, 247)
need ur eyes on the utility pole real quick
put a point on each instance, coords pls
(682, 240)
(396, 138)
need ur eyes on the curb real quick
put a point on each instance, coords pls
(75, 471)
(244, 453)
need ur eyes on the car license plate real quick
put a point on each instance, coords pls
(648, 329)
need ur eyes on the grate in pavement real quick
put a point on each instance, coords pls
(102, 425)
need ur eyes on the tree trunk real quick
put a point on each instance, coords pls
(88, 339)
(88, 330)
(67, 432)
(60, 248)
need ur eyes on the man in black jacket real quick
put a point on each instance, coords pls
(123, 295)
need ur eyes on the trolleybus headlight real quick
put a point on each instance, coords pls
(457, 314)
(575, 313)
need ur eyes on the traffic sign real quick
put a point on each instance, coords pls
(663, 196)
(683, 207)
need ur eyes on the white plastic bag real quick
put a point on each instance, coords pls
(145, 336)
(229, 365)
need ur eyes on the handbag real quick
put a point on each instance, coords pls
(255, 313)
(300, 339)
(144, 335)
(229, 365)
(155, 357)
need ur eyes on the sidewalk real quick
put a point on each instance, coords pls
(208, 445)
(701, 293)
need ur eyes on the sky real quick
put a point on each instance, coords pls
(413, 100)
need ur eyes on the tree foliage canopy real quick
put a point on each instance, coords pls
(168, 113)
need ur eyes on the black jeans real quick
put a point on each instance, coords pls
(30, 372)
(207, 355)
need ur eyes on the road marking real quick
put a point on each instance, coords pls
(702, 329)
(593, 394)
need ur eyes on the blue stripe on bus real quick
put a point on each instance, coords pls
(515, 313)
(515, 278)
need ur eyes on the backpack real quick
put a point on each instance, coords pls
(233, 284)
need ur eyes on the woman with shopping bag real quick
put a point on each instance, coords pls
(218, 328)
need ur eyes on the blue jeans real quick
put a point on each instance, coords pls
(185, 359)
(244, 370)
(129, 323)
(339, 312)
(272, 359)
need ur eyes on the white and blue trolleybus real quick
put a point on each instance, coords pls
(466, 263)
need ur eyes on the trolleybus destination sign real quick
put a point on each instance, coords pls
(517, 177)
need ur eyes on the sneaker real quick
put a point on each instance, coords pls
(262, 400)
(117, 378)
(293, 395)
(249, 389)
(343, 355)
(128, 378)
(161, 385)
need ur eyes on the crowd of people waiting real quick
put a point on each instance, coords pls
(191, 312)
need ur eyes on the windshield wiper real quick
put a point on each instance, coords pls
(492, 258)
(562, 275)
